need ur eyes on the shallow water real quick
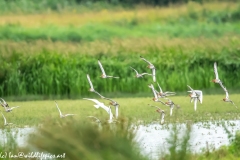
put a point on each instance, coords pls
(153, 137)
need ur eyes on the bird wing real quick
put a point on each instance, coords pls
(153, 90)
(4, 102)
(70, 114)
(146, 60)
(215, 70)
(224, 88)
(135, 70)
(154, 74)
(101, 67)
(146, 74)
(99, 94)
(58, 108)
(195, 104)
(200, 95)
(14, 107)
(90, 82)
(98, 120)
(154, 106)
(227, 95)
(190, 88)
(160, 89)
(94, 100)
(5, 121)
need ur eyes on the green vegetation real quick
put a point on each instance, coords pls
(31, 113)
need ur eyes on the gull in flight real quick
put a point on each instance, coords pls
(196, 95)
(63, 115)
(91, 87)
(6, 106)
(5, 121)
(216, 80)
(162, 94)
(99, 105)
(151, 66)
(226, 99)
(159, 110)
(103, 72)
(141, 74)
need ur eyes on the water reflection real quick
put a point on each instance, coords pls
(153, 137)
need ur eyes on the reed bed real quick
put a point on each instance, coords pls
(64, 74)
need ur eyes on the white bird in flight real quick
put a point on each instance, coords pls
(151, 66)
(103, 72)
(141, 74)
(63, 115)
(5, 121)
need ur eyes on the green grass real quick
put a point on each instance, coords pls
(213, 108)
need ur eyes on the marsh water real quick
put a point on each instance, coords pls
(152, 138)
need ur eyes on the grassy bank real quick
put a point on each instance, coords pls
(213, 108)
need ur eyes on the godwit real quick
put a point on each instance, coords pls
(159, 110)
(151, 66)
(63, 115)
(115, 104)
(226, 99)
(162, 94)
(6, 106)
(96, 119)
(171, 104)
(141, 74)
(155, 98)
(5, 121)
(4, 103)
(103, 72)
(91, 87)
(216, 80)
(99, 104)
(195, 96)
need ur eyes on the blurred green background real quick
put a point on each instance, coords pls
(48, 47)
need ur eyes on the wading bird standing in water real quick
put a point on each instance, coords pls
(103, 71)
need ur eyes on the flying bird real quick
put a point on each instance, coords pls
(96, 119)
(63, 115)
(115, 104)
(227, 99)
(150, 66)
(159, 110)
(216, 80)
(196, 95)
(140, 75)
(4, 103)
(162, 94)
(6, 106)
(98, 104)
(103, 71)
(5, 121)
(171, 104)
